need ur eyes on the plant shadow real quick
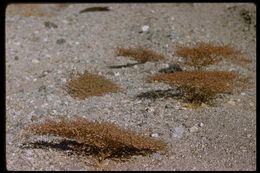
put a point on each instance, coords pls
(71, 147)
(125, 65)
(157, 94)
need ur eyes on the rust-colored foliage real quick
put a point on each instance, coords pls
(88, 84)
(204, 54)
(139, 54)
(198, 86)
(109, 139)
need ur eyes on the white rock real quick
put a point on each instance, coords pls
(155, 135)
(35, 61)
(177, 132)
(151, 109)
(249, 135)
(145, 28)
(243, 94)
(117, 74)
(194, 129)
(201, 124)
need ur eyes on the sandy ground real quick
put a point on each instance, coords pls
(45, 43)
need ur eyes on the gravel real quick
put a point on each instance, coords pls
(42, 51)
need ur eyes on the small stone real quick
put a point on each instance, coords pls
(145, 28)
(171, 69)
(135, 66)
(64, 80)
(151, 110)
(201, 124)
(61, 41)
(185, 117)
(249, 135)
(33, 118)
(35, 61)
(54, 111)
(251, 104)
(231, 102)
(117, 74)
(42, 88)
(16, 58)
(243, 94)
(177, 132)
(155, 135)
(194, 129)
(48, 24)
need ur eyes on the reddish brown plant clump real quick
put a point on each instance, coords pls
(204, 54)
(198, 86)
(139, 54)
(107, 137)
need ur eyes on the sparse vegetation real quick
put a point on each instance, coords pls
(198, 86)
(139, 54)
(204, 54)
(104, 139)
(88, 84)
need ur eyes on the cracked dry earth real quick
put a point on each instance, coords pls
(45, 43)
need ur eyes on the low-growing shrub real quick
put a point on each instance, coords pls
(141, 55)
(198, 86)
(204, 54)
(88, 84)
(106, 139)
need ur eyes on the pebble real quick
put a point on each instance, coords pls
(201, 124)
(194, 129)
(177, 132)
(243, 94)
(61, 41)
(35, 61)
(117, 74)
(42, 88)
(155, 135)
(249, 135)
(145, 28)
(48, 24)
(231, 102)
(171, 69)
